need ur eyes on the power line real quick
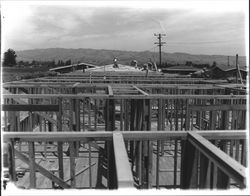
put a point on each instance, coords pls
(160, 44)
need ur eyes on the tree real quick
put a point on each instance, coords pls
(189, 63)
(68, 62)
(60, 63)
(9, 58)
(214, 64)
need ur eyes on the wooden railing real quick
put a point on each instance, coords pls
(131, 156)
(205, 166)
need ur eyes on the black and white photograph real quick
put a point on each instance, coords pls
(123, 97)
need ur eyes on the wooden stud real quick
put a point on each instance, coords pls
(203, 172)
(95, 114)
(222, 180)
(72, 164)
(60, 144)
(189, 167)
(83, 114)
(214, 179)
(175, 162)
(121, 114)
(32, 165)
(90, 170)
(89, 115)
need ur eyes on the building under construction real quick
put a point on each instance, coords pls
(109, 128)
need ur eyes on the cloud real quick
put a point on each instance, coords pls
(129, 28)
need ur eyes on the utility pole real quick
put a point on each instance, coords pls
(238, 71)
(160, 44)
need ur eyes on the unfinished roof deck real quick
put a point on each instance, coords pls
(114, 129)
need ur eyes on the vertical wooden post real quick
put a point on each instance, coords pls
(83, 113)
(95, 114)
(12, 161)
(89, 114)
(132, 127)
(224, 120)
(110, 126)
(77, 115)
(90, 169)
(140, 164)
(243, 153)
(112, 181)
(176, 141)
(203, 172)
(60, 144)
(222, 180)
(175, 161)
(18, 128)
(121, 114)
(76, 122)
(187, 121)
(189, 166)
(237, 150)
(32, 165)
(110, 115)
(159, 127)
(150, 147)
(214, 179)
(72, 164)
(71, 114)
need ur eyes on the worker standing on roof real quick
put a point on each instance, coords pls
(152, 66)
(115, 63)
(145, 68)
(155, 66)
(134, 64)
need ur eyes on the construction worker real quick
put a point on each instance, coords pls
(152, 66)
(134, 64)
(145, 68)
(115, 63)
(155, 66)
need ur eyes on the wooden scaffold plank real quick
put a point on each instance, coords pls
(123, 169)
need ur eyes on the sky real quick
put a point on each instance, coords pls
(196, 27)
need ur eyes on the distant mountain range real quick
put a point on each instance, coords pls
(102, 57)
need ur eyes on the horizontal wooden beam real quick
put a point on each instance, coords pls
(163, 135)
(217, 107)
(31, 108)
(103, 85)
(127, 135)
(59, 136)
(123, 169)
(222, 160)
(102, 96)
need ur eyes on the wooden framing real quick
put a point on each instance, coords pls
(227, 165)
(132, 122)
(220, 160)
(26, 107)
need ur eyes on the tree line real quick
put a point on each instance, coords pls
(9, 60)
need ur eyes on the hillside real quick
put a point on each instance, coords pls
(101, 57)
